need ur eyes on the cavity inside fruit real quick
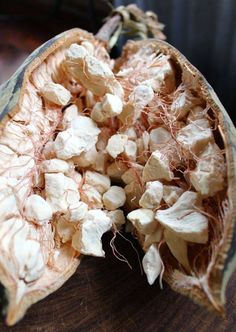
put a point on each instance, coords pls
(90, 146)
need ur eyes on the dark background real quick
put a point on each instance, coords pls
(203, 30)
(104, 294)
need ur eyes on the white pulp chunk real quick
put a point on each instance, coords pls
(87, 239)
(69, 115)
(141, 96)
(56, 93)
(68, 145)
(143, 220)
(159, 137)
(37, 210)
(61, 192)
(157, 168)
(184, 220)
(152, 264)
(76, 212)
(116, 145)
(114, 198)
(152, 196)
(208, 177)
(99, 181)
(171, 194)
(110, 106)
(91, 196)
(195, 136)
(117, 217)
(54, 166)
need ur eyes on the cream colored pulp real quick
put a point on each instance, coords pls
(96, 145)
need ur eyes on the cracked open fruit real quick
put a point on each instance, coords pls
(87, 141)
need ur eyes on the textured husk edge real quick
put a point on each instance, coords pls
(210, 290)
(11, 94)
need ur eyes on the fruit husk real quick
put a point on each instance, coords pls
(12, 91)
(210, 289)
(11, 95)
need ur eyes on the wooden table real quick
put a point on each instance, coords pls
(104, 294)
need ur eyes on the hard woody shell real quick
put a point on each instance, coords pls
(11, 94)
(209, 291)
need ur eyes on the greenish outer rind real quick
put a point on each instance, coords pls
(10, 90)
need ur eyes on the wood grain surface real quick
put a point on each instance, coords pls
(104, 294)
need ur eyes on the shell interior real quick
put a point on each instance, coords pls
(87, 142)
